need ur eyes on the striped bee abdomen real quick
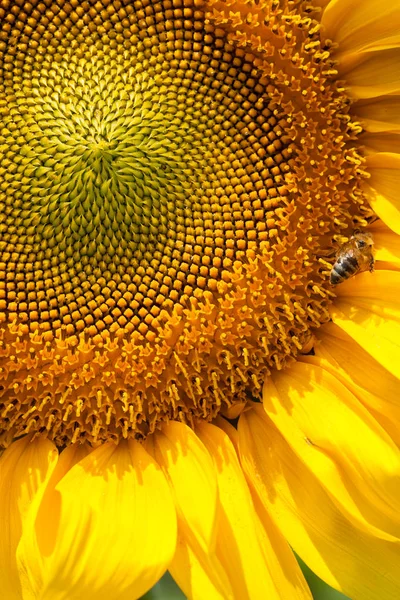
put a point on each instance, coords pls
(343, 268)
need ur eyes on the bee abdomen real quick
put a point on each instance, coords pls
(343, 269)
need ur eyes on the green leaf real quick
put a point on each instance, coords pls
(165, 589)
(319, 589)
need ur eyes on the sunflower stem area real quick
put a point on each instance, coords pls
(166, 588)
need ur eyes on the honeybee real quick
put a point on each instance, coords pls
(355, 256)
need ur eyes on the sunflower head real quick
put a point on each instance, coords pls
(172, 182)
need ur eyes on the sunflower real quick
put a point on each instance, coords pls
(181, 387)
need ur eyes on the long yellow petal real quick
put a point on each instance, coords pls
(379, 114)
(191, 570)
(230, 430)
(387, 243)
(278, 555)
(376, 75)
(106, 530)
(366, 25)
(33, 580)
(191, 473)
(387, 246)
(385, 205)
(373, 385)
(363, 567)
(382, 187)
(340, 442)
(238, 545)
(387, 414)
(282, 565)
(380, 142)
(387, 266)
(367, 308)
(24, 467)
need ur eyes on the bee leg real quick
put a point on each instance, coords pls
(371, 264)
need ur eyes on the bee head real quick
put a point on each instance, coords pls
(362, 239)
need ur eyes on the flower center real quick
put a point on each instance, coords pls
(170, 189)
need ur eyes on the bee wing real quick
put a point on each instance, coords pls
(346, 250)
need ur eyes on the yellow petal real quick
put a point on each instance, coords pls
(24, 468)
(376, 75)
(340, 442)
(379, 114)
(367, 308)
(232, 412)
(229, 429)
(238, 546)
(191, 473)
(191, 571)
(386, 414)
(361, 566)
(385, 205)
(373, 385)
(69, 457)
(381, 142)
(366, 25)
(387, 266)
(278, 555)
(282, 565)
(382, 188)
(106, 530)
(387, 243)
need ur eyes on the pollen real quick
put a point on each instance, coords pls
(173, 175)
